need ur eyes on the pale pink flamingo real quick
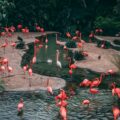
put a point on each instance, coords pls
(2, 69)
(4, 46)
(68, 35)
(24, 70)
(10, 70)
(30, 74)
(13, 44)
(49, 88)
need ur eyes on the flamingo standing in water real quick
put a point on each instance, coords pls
(97, 81)
(115, 90)
(20, 108)
(85, 83)
(58, 63)
(116, 112)
(94, 91)
(86, 102)
(63, 113)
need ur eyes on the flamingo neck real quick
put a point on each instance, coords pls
(57, 56)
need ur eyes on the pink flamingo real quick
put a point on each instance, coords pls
(62, 103)
(115, 90)
(4, 46)
(116, 112)
(19, 26)
(49, 88)
(30, 74)
(13, 44)
(86, 102)
(63, 113)
(61, 96)
(97, 81)
(20, 108)
(25, 69)
(10, 70)
(2, 69)
(94, 91)
(68, 35)
(85, 83)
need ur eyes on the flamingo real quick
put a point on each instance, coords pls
(49, 88)
(62, 103)
(68, 35)
(4, 45)
(63, 113)
(115, 91)
(30, 74)
(94, 91)
(97, 81)
(58, 63)
(61, 96)
(2, 69)
(85, 83)
(25, 69)
(34, 60)
(20, 107)
(85, 102)
(10, 70)
(13, 44)
(116, 112)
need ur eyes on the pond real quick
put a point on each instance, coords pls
(41, 106)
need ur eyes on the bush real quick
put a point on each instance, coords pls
(109, 25)
(20, 44)
(71, 44)
(78, 55)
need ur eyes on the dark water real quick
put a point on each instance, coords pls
(41, 106)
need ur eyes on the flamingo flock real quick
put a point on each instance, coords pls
(62, 97)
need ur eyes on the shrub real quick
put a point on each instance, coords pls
(71, 44)
(20, 44)
(78, 55)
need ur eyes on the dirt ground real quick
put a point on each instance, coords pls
(17, 81)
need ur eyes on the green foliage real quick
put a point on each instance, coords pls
(71, 44)
(109, 25)
(20, 44)
(6, 8)
(107, 44)
(78, 55)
